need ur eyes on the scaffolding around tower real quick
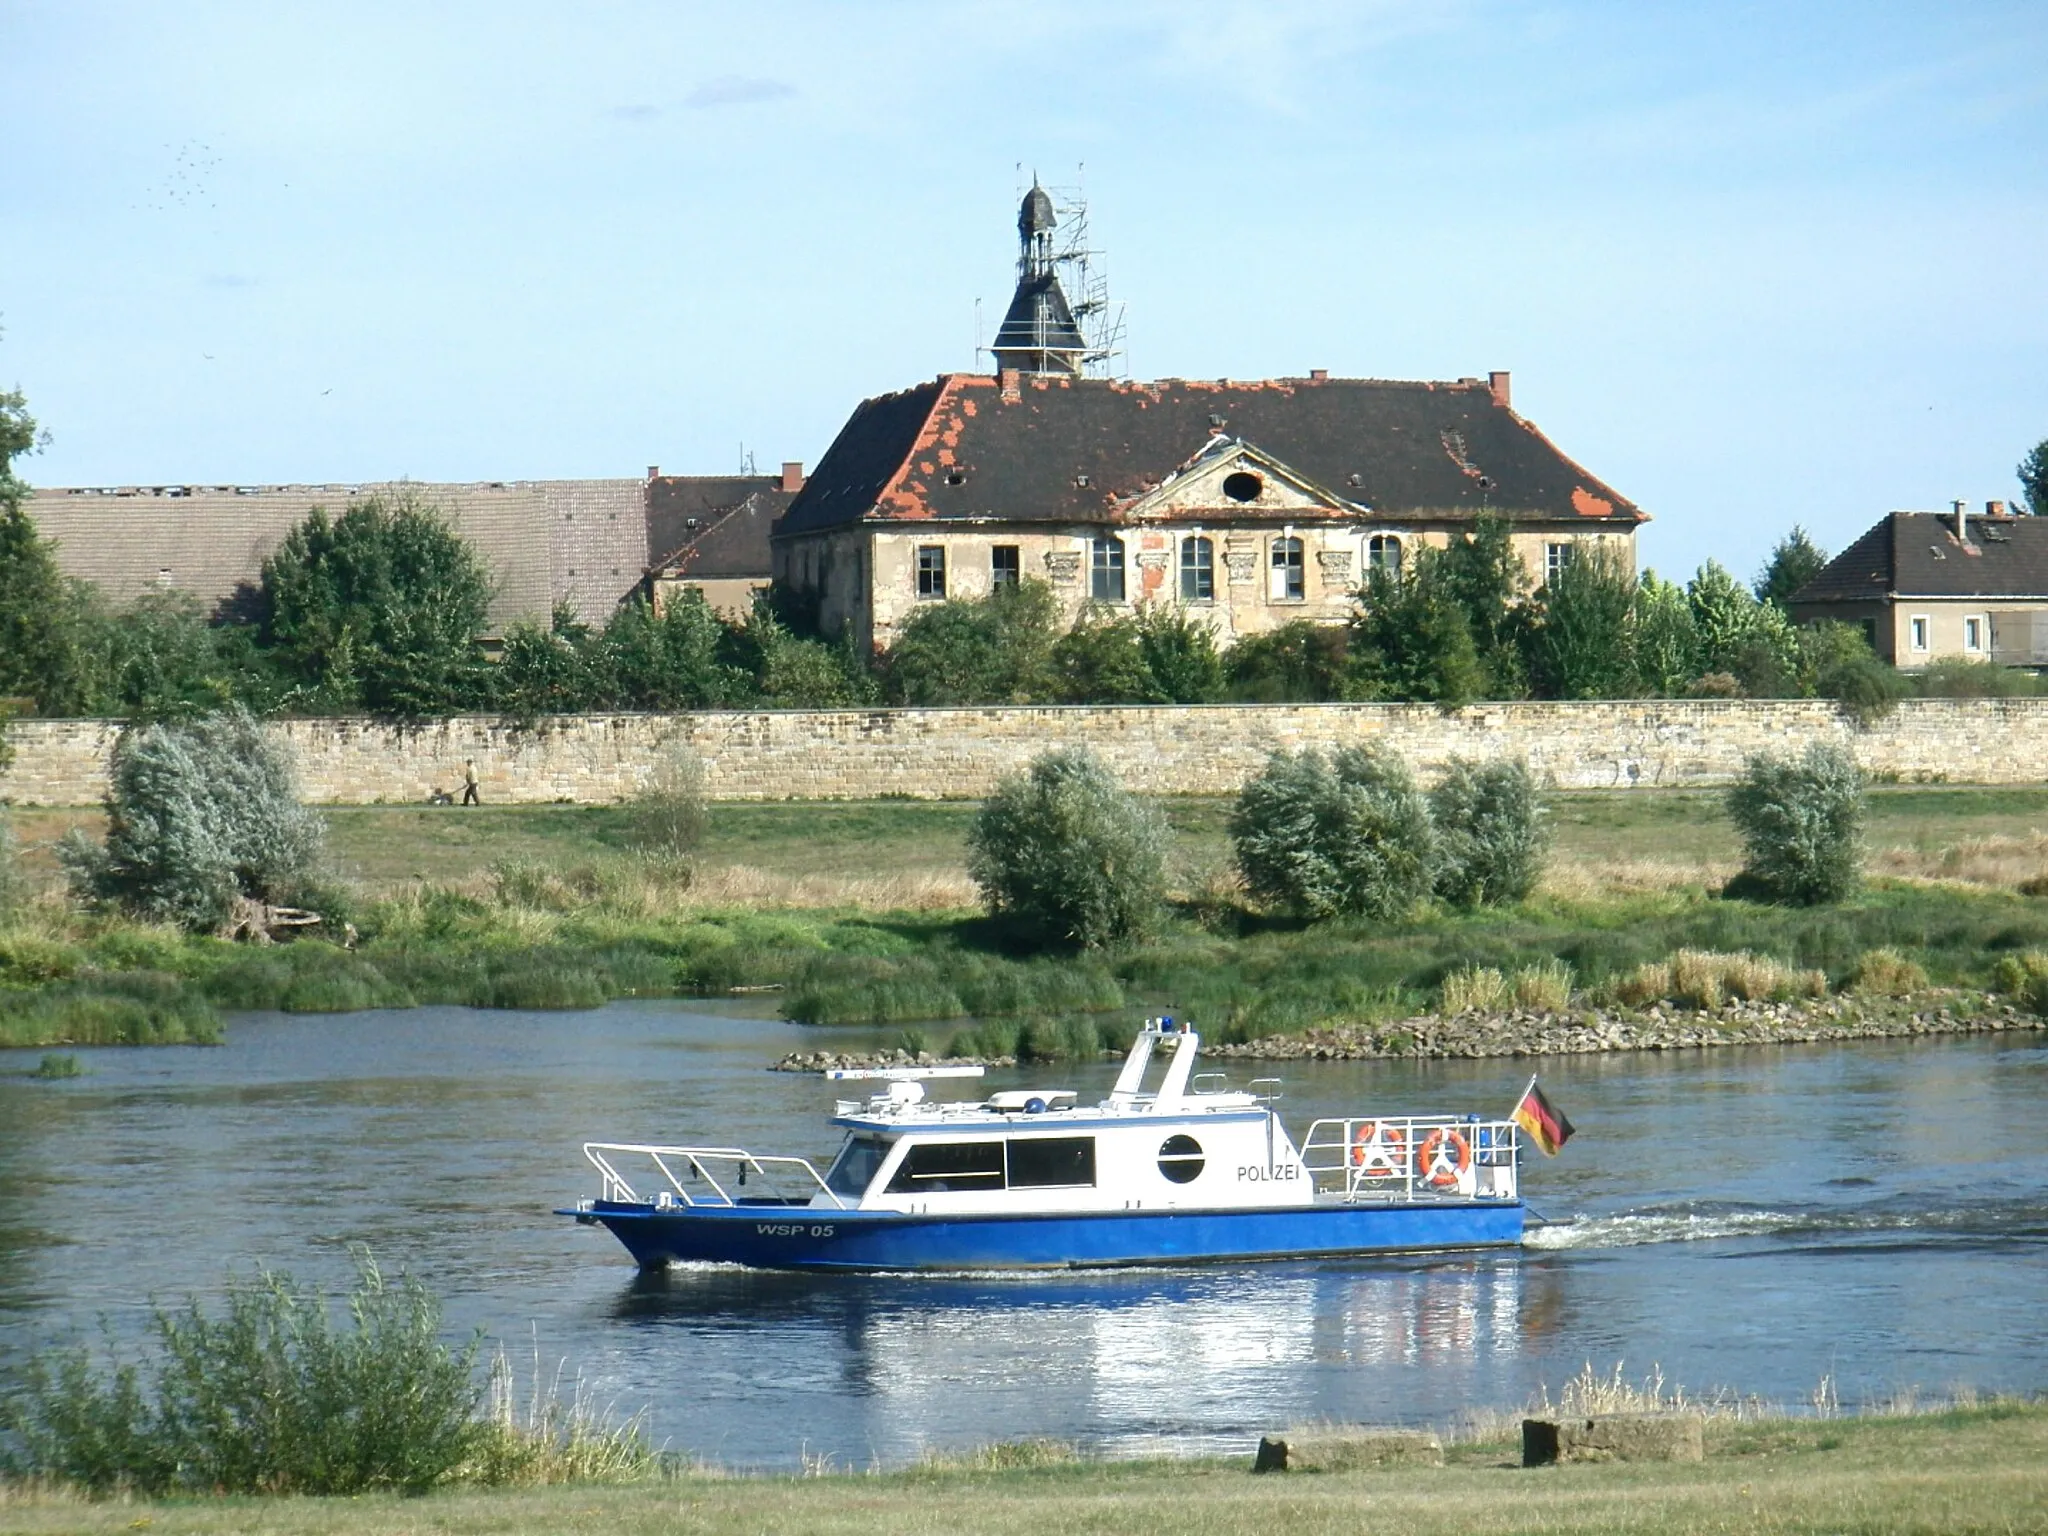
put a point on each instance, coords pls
(1061, 320)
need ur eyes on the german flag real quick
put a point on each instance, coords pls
(1544, 1122)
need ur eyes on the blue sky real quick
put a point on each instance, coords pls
(1753, 265)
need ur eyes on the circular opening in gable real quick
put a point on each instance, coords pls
(1243, 486)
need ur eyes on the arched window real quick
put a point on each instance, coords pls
(1106, 569)
(1383, 553)
(1288, 582)
(1197, 570)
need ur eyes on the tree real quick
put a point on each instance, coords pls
(1101, 660)
(1410, 639)
(159, 659)
(1301, 662)
(1491, 832)
(978, 650)
(1583, 641)
(675, 659)
(1180, 652)
(552, 670)
(199, 813)
(786, 670)
(1801, 820)
(1666, 647)
(2033, 473)
(1348, 835)
(1489, 582)
(1794, 562)
(1836, 662)
(1064, 855)
(45, 650)
(379, 609)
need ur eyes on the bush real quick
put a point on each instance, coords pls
(1490, 830)
(670, 816)
(982, 650)
(1801, 820)
(13, 879)
(1346, 835)
(1301, 662)
(270, 1396)
(1886, 973)
(198, 814)
(1063, 854)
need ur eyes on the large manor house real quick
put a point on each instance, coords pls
(1250, 503)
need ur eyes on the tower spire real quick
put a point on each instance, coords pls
(1038, 333)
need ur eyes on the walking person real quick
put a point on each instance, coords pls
(469, 794)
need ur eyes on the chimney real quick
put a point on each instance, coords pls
(792, 476)
(1497, 381)
(1012, 381)
(1961, 509)
(1994, 509)
(1318, 375)
(654, 471)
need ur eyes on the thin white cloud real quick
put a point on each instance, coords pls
(737, 91)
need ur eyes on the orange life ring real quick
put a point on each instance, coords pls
(1441, 1157)
(1381, 1146)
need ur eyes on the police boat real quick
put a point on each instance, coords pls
(1189, 1171)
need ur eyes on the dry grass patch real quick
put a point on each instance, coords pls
(1705, 978)
(1886, 973)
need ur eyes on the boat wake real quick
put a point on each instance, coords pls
(1697, 1222)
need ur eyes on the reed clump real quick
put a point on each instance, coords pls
(1545, 986)
(1886, 973)
(1707, 979)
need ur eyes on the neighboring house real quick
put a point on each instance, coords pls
(1927, 585)
(1252, 503)
(710, 533)
(585, 544)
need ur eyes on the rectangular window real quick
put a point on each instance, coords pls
(1106, 570)
(1919, 631)
(931, 570)
(947, 1167)
(1290, 582)
(1005, 566)
(1555, 558)
(1061, 1162)
(1973, 634)
(1197, 570)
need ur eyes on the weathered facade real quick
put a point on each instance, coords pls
(1924, 586)
(709, 534)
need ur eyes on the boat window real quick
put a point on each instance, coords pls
(1053, 1162)
(930, 1167)
(1180, 1159)
(855, 1168)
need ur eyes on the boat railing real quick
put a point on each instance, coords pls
(678, 1166)
(1412, 1157)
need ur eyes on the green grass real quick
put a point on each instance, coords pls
(545, 908)
(1980, 1470)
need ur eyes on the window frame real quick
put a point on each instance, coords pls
(931, 573)
(1005, 572)
(1557, 555)
(1973, 633)
(1287, 569)
(1377, 546)
(1200, 572)
(907, 1180)
(1106, 559)
(1088, 1162)
(1919, 634)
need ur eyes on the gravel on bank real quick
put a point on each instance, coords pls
(1569, 1032)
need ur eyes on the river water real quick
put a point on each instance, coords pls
(1755, 1219)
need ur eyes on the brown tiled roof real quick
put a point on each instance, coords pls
(1076, 450)
(597, 542)
(713, 526)
(1917, 554)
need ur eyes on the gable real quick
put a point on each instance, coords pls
(1229, 481)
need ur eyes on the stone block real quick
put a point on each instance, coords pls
(1614, 1437)
(1347, 1448)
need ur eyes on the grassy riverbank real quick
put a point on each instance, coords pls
(1980, 1469)
(862, 914)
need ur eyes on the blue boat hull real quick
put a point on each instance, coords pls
(798, 1237)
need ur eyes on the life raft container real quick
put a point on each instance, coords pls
(1442, 1157)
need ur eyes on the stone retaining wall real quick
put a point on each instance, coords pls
(959, 753)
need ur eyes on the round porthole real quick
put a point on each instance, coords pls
(1243, 486)
(1181, 1160)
